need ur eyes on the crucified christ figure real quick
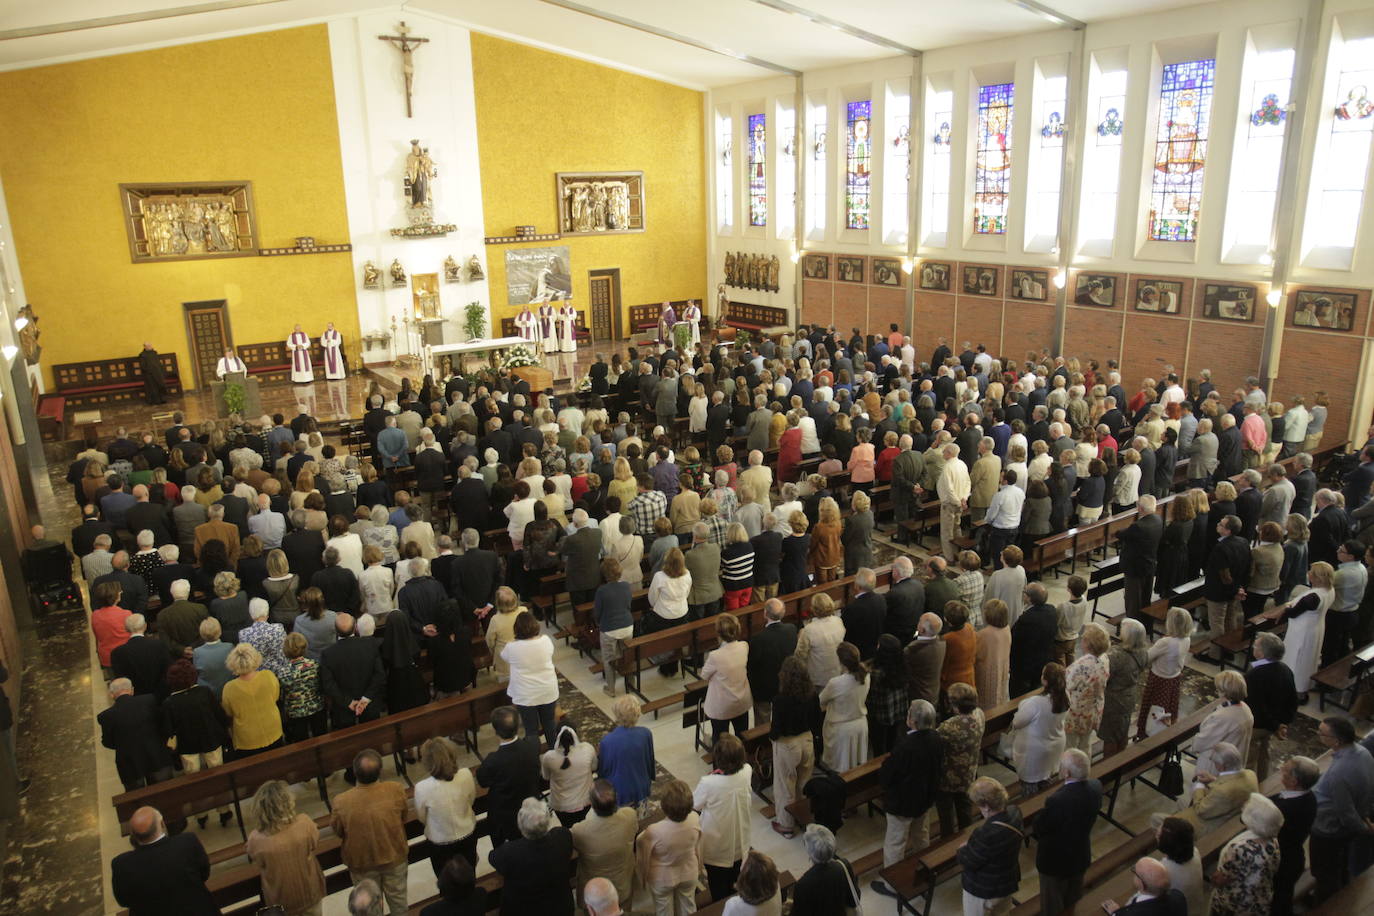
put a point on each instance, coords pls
(406, 44)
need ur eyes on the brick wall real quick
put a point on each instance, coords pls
(934, 319)
(886, 306)
(851, 307)
(979, 320)
(1093, 333)
(818, 302)
(1026, 327)
(1315, 359)
(1152, 342)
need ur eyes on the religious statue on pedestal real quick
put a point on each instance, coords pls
(398, 273)
(475, 269)
(452, 273)
(417, 183)
(372, 277)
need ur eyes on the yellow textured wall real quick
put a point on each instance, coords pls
(540, 113)
(258, 108)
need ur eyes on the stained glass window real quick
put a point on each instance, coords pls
(936, 174)
(1102, 160)
(785, 181)
(1046, 165)
(1341, 178)
(817, 181)
(725, 179)
(758, 175)
(858, 156)
(1185, 114)
(992, 167)
(1259, 158)
(896, 165)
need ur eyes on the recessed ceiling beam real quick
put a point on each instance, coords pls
(79, 25)
(1050, 13)
(837, 25)
(671, 36)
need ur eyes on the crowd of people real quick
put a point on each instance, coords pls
(297, 591)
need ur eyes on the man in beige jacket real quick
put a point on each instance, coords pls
(983, 479)
(604, 841)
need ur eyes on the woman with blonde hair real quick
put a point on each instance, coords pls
(1086, 685)
(1306, 615)
(992, 655)
(668, 593)
(1232, 723)
(728, 697)
(250, 701)
(283, 848)
(622, 484)
(857, 538)
(625, 755)
(305, 485)
(819, 640)
(1167, 658)
(501, 629)
(1293, 572)
(845, 734)
(827, 551)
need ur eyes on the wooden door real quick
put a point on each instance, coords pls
(604, 292)
(207, 331)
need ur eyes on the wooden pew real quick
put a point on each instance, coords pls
(1336, 678)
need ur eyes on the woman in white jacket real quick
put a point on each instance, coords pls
(668, 593)
(1231, 722)
(1038, 730)
(819, 639)
(728, 698)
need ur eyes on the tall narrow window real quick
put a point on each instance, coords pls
(992, 167)
(1046, 163)
(785, 181)
(1185, 115)
(725, 177)
(936, 174)
(1259, 158)
(858, 159)
(896, 166)
(758, 172)
(1339, 185)
(1102, 166)
(816, 177)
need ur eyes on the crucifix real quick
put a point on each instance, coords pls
(406, 44)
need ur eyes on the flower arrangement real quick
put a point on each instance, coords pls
(518, 356)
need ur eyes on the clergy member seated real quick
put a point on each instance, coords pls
(228, 363)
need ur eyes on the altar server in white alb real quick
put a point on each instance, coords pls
(692, 312)
(567, 328)
(229, 362)
(548, 329)
(527, 326)
(298, 345)
(331, 341)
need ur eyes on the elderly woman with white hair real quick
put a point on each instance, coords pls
(1232, 722)
(383, 536)
(537, 868)
(1126, 662)
(268, 638)
(250, 700)
(1244, 876)
(147, 560)
(829, 887)
(230, 606)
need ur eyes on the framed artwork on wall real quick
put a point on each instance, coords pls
(935, 276)
(1162, 296)
(850, 270)
(1095, 289)
(1229, 303)
(980, 281)
(887, 272)
(600, 203)
(189, 220)
(1029, 284)
(1328, 310)
(816, 267)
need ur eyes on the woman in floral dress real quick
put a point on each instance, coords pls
(1244, 876)
(1087, 687)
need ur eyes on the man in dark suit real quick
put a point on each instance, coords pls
(910, 777)
(441, 567)
(135, 590)
(1329, 529)
(142, 660)
(1139, 546)
(131, 728)
(1272, 698)
(476, 574)
(1299, 808)
(303, 548)
(235, 512)
(717, 422)
(468, 501)
(905, 601)
(421, 598)
(339, 585)
(510, 774)
(1304, 486)
(178, 623)
(768, 648)
(581, 554)
(351, 673)
(1249, 501)
(162, 873)
(374, 421)
(1063, 834)
(171, 570)
(497, 438)
(1229, 456)
(1226, 573)
(146, 516)
(1153, 896)
(1032, 640)
(1358, 481)
(864, 616)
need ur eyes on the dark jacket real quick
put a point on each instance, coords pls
(1248, 505)
(1330, 528)
(340, 588)
(476, 576)
(768, 649)
(1298, 814)
(767, 558)
(194, 716)
(863, 622)
(150, 517)
(1228, 569)
(236, 512)
(84, 535)
(430, 467)
(911, 773)
(824, 890)
(470, 504)
(1032, 646)
(1173, 903)
(304, 552)
(167, 876)
(1140, 546)
(165, 575)
(132, 729)
(581, 555)
(143, 660)
(906, 601)
(135, 594)
(349, 670)
(1271, 694)
(510, 774)
(1304, 487)
(538, 874)
(420, 600)
(991, 857)
(1063, 831)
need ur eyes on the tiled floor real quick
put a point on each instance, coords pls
(60, 847)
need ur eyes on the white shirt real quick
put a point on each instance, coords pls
(668, 596)
(1168, 654)
(226, 365)
(445, 806)
(570, 789)
(533, 680)
(1172, 395)
(725, 816)
(377, 584)
(1005, 509)
(350, 548)
(954, 485)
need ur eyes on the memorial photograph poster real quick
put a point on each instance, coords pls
(536, 275)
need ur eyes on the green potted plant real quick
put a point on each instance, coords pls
(682, 337)
(234, 398)
(474, 320)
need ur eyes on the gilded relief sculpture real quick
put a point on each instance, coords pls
(188, 220)
(595, 203)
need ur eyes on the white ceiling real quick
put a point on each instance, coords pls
(738, 26)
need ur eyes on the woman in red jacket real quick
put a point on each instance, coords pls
(789, 449)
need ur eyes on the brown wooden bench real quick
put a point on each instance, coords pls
(1336, 678)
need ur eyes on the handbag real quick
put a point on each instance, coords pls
(1171, 774)
(857, 909)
